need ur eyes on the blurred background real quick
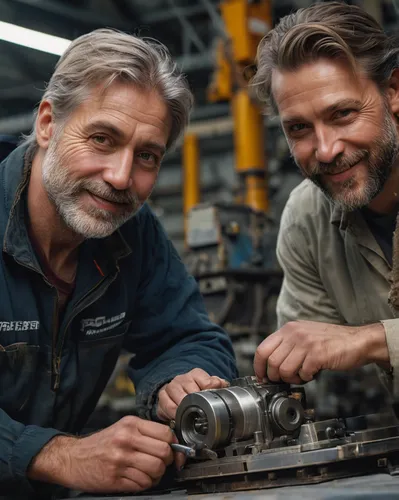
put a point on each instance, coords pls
(221, 192)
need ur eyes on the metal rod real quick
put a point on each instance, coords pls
(250, 150)
(191, 175)
(180, 448)
(187, 26)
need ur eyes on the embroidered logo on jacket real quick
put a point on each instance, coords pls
(101, 324)
(18, 326)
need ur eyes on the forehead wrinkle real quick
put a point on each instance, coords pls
(321, 78)
(135, 114)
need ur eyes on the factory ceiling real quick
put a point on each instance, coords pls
(188, 28)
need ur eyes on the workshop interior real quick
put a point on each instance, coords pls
(220, 196)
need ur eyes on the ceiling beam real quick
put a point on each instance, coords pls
(81, 15)
(167, 14)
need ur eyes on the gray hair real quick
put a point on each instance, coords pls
(106, 55)
(332, 30)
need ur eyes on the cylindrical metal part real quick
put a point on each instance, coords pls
(287, 413)
(250, 149)
(244, 412)
(191, 174)
(203, 419)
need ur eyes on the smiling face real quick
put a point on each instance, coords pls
(340, 129)
(101, 165)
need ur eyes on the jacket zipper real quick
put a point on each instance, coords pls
(56, 362)
(57, 354)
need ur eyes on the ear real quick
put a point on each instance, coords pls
(44, 124)
(393, 92)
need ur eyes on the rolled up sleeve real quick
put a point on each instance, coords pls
(392, 335)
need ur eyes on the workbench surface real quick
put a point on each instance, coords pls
(371, 487)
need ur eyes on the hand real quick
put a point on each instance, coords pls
(300, 349)
(171, 394)
(129, 456)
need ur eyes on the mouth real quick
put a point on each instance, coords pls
(343, 173)
(110, 205)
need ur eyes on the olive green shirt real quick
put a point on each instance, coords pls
(334, 270)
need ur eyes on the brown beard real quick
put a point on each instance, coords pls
(380, 158)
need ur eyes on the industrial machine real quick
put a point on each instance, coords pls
(258, 435)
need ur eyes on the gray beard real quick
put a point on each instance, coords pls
(65, 194)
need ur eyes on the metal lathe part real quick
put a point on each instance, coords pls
(203, 420)
(287, 413)
(204, 453)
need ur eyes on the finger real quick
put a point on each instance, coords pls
(308, 369)
(189, 386)
(180, 460)
(275, 360)
(176, 392)
(216, 383)
(155, 430)
(169, 400)
(263, 352)
(166, 410)
(137, 477)
(152, 466)
(154, 448)
(290, 367)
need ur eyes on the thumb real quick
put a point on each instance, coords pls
(216, 383)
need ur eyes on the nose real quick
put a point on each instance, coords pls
(328, 145)
(119, 173)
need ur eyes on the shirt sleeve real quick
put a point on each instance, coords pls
(392, 335)
(302, 296)
(171, 333)
(19, 444)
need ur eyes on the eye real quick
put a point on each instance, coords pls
(343, 113)
(149, 160)
(101, 139)
(147, 156)
(297, 127)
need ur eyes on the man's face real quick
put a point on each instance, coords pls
(339, 128)
(102, 164)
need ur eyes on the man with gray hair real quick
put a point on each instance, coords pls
(86, 271)
(331, 74)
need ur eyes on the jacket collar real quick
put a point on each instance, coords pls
(339, 217)
(15, 171)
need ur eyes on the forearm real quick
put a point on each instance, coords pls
(53, 463)
(18, 445)
(374, 345)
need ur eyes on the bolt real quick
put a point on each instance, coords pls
(382, 462)
(301, 473)
(331, 433)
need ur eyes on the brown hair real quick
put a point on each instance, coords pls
(332, 30)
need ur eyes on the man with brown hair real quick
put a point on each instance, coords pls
(331, 74)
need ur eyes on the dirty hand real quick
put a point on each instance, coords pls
(300, 349)
(171, 394)
(129, 456)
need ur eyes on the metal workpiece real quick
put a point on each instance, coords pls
(203, 420)
(242, 412)
(263, 436)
